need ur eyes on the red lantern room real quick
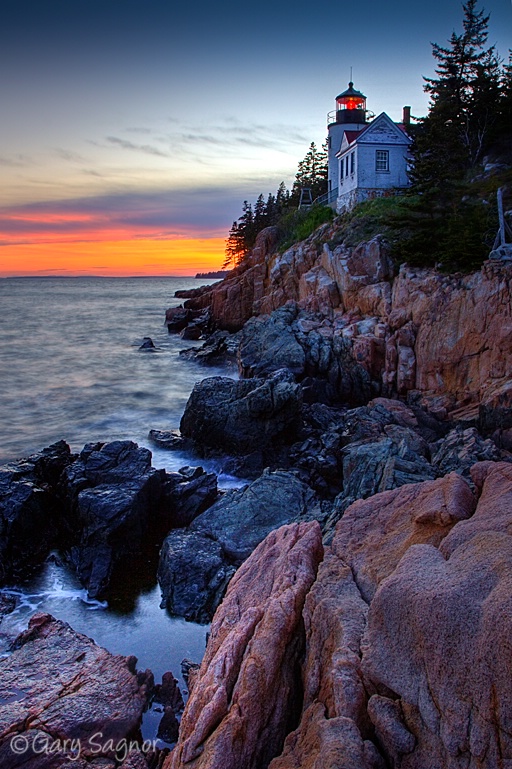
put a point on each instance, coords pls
(351, 106)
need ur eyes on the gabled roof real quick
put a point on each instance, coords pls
(382, 130)
(352, 135)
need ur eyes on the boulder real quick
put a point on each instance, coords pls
(438, 636)
(147, 344)
(247, 693)
(29, 509)
(242, 518)
(375, 533)
(268, 344)
(461, 449)
(342, 724)
(238, 417)
(176, 319)
(188, 493)
(193, 574)
(113, 496)
(59, 688)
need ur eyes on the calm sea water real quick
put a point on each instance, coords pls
(71, 368)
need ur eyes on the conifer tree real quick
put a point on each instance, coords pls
(311, 173)
(463, 109)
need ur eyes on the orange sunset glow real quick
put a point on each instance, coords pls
(114, 257)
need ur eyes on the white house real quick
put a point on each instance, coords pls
(367, 158)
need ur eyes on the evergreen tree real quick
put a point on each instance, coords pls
(311, 174)
(282, 198)
(241, 237)
(463, 109)
(444, 222)
(260, 214)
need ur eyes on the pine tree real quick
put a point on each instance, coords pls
(463, 109)
(260, 214)
(241, 237)
(445, 222)
(311, 174)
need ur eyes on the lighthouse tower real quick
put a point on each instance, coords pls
(349, 115)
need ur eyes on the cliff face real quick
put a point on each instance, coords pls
(446, 337)
(403, 631)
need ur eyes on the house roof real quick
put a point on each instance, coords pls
(382, 124)
(352, 135)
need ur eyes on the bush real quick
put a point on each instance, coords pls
(300, 224)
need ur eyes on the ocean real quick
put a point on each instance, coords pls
(71, 368)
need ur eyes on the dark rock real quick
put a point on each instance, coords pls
(220, 348)
(168, 727)
(176, 318)
(113, 497)
(193, 574)
(168, 439)
(268, 344)
(241, 519)
(495, 416)
(59, 685)
(461, 449)
(147, 344)
(192, 331)
(168, 693)
(7, 604)
(29, 509)
(188, 493)
(393, 461)
(189, 669)
(238, 417)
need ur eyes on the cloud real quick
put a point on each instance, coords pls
(145, 148)
(17, 161)
(157, 215)
(73, 157)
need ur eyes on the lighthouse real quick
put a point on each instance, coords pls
(349, 115)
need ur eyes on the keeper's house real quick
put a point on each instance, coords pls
(367, 158)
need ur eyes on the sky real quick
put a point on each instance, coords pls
(131, 131)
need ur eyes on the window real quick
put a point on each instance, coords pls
(382, 160)
(341, 168)
(346, 166)
(352, 162)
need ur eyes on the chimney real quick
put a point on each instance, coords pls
(406, 119)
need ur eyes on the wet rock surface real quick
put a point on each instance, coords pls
(113, 495)
(59, 685)
(29, 512)
(196, 564)
(188, 493)
(241, 519)
(238, 417)
(193, 573)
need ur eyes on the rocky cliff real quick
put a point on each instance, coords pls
(442, 340)
(390, 648)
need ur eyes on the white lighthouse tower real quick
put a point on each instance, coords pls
(349, 115)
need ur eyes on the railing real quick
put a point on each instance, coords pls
(327, 198)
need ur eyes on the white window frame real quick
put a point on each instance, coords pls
(382, 161)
